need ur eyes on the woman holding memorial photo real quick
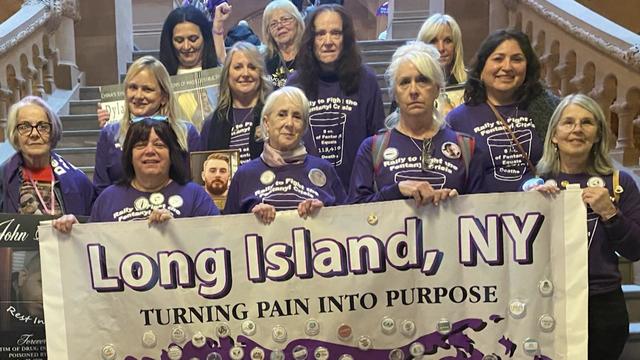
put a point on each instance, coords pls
(244, 85)
(148, 92)
(418, 156)
(155, 184)
(506, 109)
(285, 177)
(36, 180)
(576, 152)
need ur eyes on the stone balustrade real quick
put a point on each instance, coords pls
(30, 53)
(581, 51)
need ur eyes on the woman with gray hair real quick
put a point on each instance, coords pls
(36, 180)
(282, 29)
(244, 86)
(417, 156)
(576, 152)
(284, 177)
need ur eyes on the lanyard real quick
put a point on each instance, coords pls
(29, 175)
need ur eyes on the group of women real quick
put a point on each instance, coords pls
(510, 134)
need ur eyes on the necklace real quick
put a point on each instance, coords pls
(245, 117)
(137, 186)
(28, 174)
(425, 151)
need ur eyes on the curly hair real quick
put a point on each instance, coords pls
(348, 64)
(475, 91)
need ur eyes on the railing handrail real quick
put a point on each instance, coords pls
(22, 24)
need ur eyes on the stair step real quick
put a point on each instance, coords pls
(78, 156)
(79, 122)
(370, 45)
(89, 93)
(83, 107)
(632, 296)
(377, 55)
(411, 15)
(632, 348)
(379, 66)
(140, 53)
(79, 138)
(406, 28)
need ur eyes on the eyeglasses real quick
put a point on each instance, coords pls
(152, 118)
(284, 21)
(42, 128)
(426, 154)
(570, 124)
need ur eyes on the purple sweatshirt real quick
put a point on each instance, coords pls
(501, 165)
(124, 203)
(619, 235)
(108, 165)
(339, 123)
(402, 160)
(283, 187)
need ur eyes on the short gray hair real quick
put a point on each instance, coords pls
(12, 121)
(294, 96)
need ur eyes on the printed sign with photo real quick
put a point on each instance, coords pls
(197, 94)
(214, 170)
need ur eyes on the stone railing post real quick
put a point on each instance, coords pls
(627, 110)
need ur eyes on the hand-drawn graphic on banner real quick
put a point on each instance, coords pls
(482, 275)
(21, 312)
(197, 95)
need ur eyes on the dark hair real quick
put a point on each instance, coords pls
(348, 64)
(140, 131)
(168, 54)
(475, 92)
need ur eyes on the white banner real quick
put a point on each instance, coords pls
(497, 276)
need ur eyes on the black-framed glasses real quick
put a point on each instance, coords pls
(285, 20)
(426, 154)
(42, 127)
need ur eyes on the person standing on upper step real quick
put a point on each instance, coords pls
(345, 99)
(506, 109)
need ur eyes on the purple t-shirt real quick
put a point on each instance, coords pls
(283, 187)
(501, 165)
(339, 123)
(402, 160)
(108, 164)
(605, 239)
(240, 131)
(124, 203)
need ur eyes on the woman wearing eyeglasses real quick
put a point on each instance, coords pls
(148, 92)
(156, 183)
(418, 156)
(282, 29)
(36, 180)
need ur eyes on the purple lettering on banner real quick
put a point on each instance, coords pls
(302, 252)
(523, 234)
(404, 248)
(330, 258)
(139, 271)
(485, 239)
(213, 268)
(280, 266)
(366, 253)
(100, 280)
(170, 264)
(254, 255)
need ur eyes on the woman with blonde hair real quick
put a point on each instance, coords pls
(282, 29)
(148, 93)
(443, 32)
(243, 88)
